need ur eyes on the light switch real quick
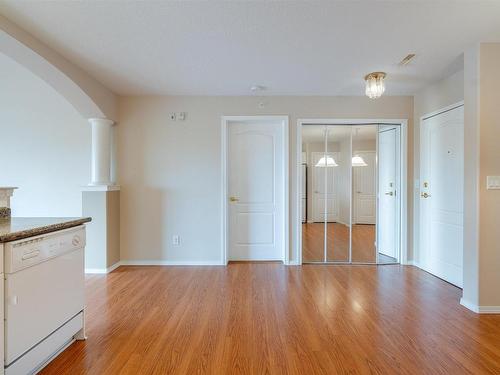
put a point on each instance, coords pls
(493, 182)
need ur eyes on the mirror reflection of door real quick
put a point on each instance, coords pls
(324, 189)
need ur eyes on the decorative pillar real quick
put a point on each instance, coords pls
(101, 201)
(102, 141)
(5, 194)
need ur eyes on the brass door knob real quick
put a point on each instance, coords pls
(233, 199)
(425, 195)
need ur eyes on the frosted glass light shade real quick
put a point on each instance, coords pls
(375, 85)
(328, 162)
(358, 161)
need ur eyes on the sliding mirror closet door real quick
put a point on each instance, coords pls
(364, 193)
(338, 188)
(313, 193)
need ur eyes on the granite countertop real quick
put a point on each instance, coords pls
(16, 228)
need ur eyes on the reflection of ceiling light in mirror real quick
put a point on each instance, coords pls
(329, 162)
(357, 161)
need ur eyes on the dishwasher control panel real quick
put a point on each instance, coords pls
(33, 250)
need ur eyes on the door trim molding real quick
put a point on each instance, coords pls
(442, 110)
(403, 123)
(284, 120)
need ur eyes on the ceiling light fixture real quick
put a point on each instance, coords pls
(375, 85)
(358, 161)
(328, 162)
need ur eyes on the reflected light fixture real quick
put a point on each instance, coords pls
(328, 162)
(375, 85)
(358, 161)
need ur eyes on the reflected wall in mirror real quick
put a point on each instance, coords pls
(364, 193)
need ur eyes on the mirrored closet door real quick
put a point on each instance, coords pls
(349, 193)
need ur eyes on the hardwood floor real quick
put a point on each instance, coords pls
(273, 319)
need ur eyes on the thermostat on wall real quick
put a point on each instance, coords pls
(493, 182)
(178, 116)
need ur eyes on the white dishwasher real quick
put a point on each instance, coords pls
(44, 297)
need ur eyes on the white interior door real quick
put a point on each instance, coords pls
(256, 192)
(441, 201)
(388, 223)
(365, 189)
(324, 192)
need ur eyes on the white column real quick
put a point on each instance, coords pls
(101, 151)
(5, 194)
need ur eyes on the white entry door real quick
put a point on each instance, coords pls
(441, 200)
(255, 190)
(365, 189)
(324, 192)
(388, 223)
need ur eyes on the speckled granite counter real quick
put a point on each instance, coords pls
(16, 228)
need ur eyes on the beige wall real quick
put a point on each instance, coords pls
(489, 159)
(112, 228)
(482, 158)
(103, 232)
(432, 98)
(170, 172)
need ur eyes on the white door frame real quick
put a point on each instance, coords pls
(225, 182)
(403, 212)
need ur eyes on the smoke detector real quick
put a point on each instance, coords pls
(257, 88)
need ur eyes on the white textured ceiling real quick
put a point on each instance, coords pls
(293, 48)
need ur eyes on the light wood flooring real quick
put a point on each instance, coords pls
(272, 319)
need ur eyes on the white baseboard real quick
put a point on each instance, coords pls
(412, 263)
(103, 270)
(170, 263)
(480, 309)
(489, 309)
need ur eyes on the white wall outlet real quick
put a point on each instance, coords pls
(176, 240)
(493, 182)
(181, 116)
(173, 116)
